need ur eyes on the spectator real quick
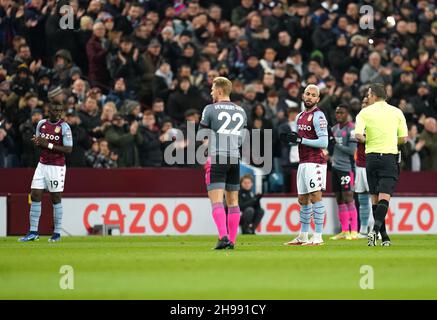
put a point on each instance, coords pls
(79, 91)
(249, 99)
(253, 70)
(238, 52)
(131, 111)
(412, 150)
(241, 14)
(268, 83)
(119, 93)
(251, 211)
(26, 105)
(61, 38)
(359, 51)
(259, 113)
(82, 141)
(350, 82)
(127, 23)
(405, 88)
(92, 153)
(62, 66)
(424, 103)
(43, 82)
(127, 63)
(23, 56)
(22, 82)
(338, 57)
(170, 48)
(163, 82)
(108, 112)
(429, 138)
(285, 46)
(8, 145)
(90, 115)
(152, 59)
(205, 89)
(30, 154)
(105, 158)
(84, 35)
(373, 72)
(291, 99)
(141, 38)
(57, 95)
(5, 143)
(268, 60)
(271, 105)
(323, 37)
(97, 49)
(124, 139)
(184, 98)
(150, 151)
(295, 61)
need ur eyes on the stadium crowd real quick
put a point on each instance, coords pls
(128, 73)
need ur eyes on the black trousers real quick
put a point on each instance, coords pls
(250, 219)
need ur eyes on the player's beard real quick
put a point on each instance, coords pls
(309, 106)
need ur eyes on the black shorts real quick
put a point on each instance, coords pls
(224, 173)
(342, 180)
(382, 172)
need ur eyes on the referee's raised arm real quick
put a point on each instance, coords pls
(381, 127)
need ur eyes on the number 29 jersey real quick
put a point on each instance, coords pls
(227, 122)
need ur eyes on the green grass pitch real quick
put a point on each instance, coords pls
(185, 267)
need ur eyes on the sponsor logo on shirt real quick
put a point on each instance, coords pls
(304, 127)
(49, 136)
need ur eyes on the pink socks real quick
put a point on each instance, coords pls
(219, 215)
(353, 216)
(348, 215)
(233, 222)
(343, 215)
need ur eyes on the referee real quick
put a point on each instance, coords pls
(381, 127)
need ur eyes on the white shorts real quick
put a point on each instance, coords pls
(311, 177)
(47, 177)
(361, 184)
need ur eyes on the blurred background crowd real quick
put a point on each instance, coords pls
(129, 72)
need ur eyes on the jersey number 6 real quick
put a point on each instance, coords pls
(312, 184)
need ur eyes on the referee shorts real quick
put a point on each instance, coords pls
(382, 172)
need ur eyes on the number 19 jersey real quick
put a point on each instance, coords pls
(227, 122)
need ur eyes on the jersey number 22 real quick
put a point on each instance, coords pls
(236, 117)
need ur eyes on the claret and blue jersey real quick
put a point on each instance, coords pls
(58, 133)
